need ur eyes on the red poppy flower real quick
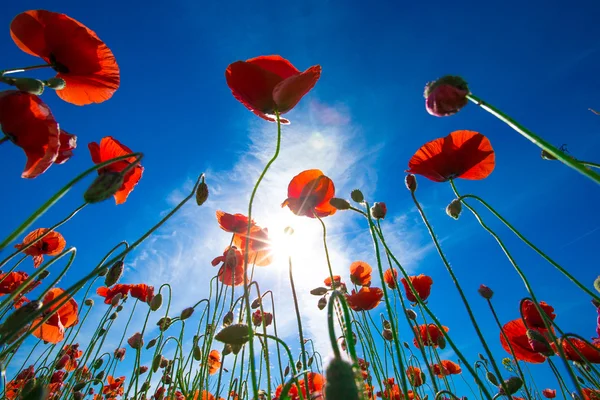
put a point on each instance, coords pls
(590, 353)
(20, 302)
(336, 280)
(259, 248)
(532, 316)
(53, 330)
(309, 193)
(461, 154)
(75, 52)
(549, 393)
(390, 277)
(267, 84)
(316, 383)
(108, 149)
(142, 292)
(365, 299)
(120, 353)
(11, 281)
(234, 223)
(110, 293)
(429, 334)
(415, 376)
(214, 362)
(113, 387)
(590, 394)
(231, 272)
(73, 353)
(51, 245)
(258, 317)
(393, 392)
(360, 273)
(446, 367)
(516, 332)
(422, 284)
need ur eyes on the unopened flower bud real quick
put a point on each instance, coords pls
(113, 316)
(339, 204)
(115, 300)
(441, 342)
(357, 196)
(298, 365)
(322, 303)
(446, 96)
(29, 85)
(411, 182)
(340, 381)
(98, 363)
(454, 208)
(511, 386)
(164, 323)
(227, 349)
(43, 275)
(186, 313)
(156, 302)
(119, 308)
(406, 345)
(485, 292)
(99, 376)
(78, 387)
(145, 386)
(101, 332)
(78, 396)
(256, 303)
(201, 192)
(197, 353)
(379, 210)
(387, 334)
(114, 273)
(538, 343)
(89, 302)
(164, 362)
(597, 284)
(410, 314)
(386, 324)
(228, 318)
(15, 321)
(104, 186)
(56, 83)
(492, 378)
(142, 370)
(136, 341)
(103, 271)
(151, 344)
(156, 362)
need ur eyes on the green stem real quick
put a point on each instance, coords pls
(23, 69)
(590, 164)
(535, 139)
(300, 330)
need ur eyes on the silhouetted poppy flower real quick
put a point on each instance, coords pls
(75, 52)
(549, 393)
(234, 223)
(267, 84)
(461, 154)
(390, 277)
(446, 367)
(231, 272)
(360, 273)
(29, 124)
(113, 387)
(516, 332)
(415, 376)
(110, 293)
(108, 149)
(11, 281)
(51, 245)
(68, 143)
(214, 362)
(422, 284)
(73, 353)
(142, 292)
(532, 316)
(309, 193)
(571, 345)
(259, 247)
(365, 299)
(53, 330)
(336, 280)
(590, 394)
(430, 335)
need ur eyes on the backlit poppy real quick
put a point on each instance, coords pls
(336, 280)
(430, 335)
(73, 353)
(549, 393)
(415, 376)
(29, 124)
(360, 273)
(51, 245)
(516, 332)
(365, 299)
(446, 367)
(11, 281)
(259, 247)
(68, 143)
(75, 52)
(142, 292)
(590, 394)
(231, 272)
(234, 223)
(267, 84)
(461, 154)
(316, 383)
(532, 316)
(571, 345)
(422, 284)
(113, 387)
(110, 293)
(390, 277)
(309, 193)
(108, 149)
(53, 330)
(214, 362)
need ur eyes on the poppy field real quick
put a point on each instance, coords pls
(385, 339)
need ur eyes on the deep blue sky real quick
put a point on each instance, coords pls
(536, 60)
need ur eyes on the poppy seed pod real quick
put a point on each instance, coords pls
(411, 182)
(156, 302)
(340, 381)
(446, 96)
(379, 210)
(29, 85)
(104, 186)
(454, 208)
(201, 192)
(485, 292)
(55, 83)
(339, 204)
(186, 313)
(114, 273)
(357, 196)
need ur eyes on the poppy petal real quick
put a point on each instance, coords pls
(253, 86)
(276, 65)
(290, 91)
(516, 332)
(68, 143)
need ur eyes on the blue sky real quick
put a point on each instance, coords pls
(363, 121)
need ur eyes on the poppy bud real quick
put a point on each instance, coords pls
(597, 284)
(492, 378)
(43, 275)
(163, 362)
(115, 300)
(186, 313)
(454, 209)
(441, 342)
(29, 85)
(56, 83)
(310, 361)
(256, 303)
(119, 308)
(387, 335)
(596, 303)
(379, 210)
(406, 345)
(151, 344)
(17, 319)
(512, 385)
(99, 376)
(538, 343)
(156, 362)
(228, 318)
(446, 96)
(34, 390)
(104, 186)
(136, 341)
(339, 204)
(62, 362)
(78, 387)
(101, 332)
(114, 273)
(287, 370)
(166, 379)
(145, 386)
(410, 314)
(387, 325)
(322, 303)
(357, 196)
(156, 302)
(320, 291)
(113, 316)
(103, 271)
(298, 365)
(340, 381)
(164, 323)
(78, 396)
(142, 370)
(227, 349)
(201, 192)
(209, 329)
(197, 353)
(233, 334)
(485, 292)
(98, 363)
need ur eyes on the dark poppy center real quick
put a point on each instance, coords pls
(57, 66)
(45, 246)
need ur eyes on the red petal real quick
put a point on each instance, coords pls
(517, 335)
(275, 64)
(253, 86)
(68, 143)
(290, 91)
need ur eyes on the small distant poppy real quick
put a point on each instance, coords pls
(108, 149)
(11, 281)
(446, 367)
(75, 52)
(360, 273)
(259, 247)
(365, 299)
(53, 330)
(142, 292)
(234, 223)
(309, 193)
(422, 284)
(73, 353)
(214, 362)
(390, 277)
(549, 393)
(336, 280)
(430, 335)
(120, 353)
(267, 84)
(589, 352)
(51, 245)
(316, 383)
(110, 293)
(591, 394)
(516, 332)
(231, 272)
(258, 317)
(415, 376)
(532, 316)
(461, 154)
(113, 387)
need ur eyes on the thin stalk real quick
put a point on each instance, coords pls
(299, 320)
(23, 69)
